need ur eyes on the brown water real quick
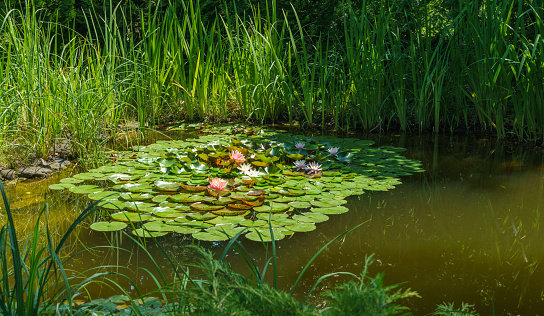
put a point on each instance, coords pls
(466, 230)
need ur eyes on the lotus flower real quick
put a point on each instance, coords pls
(333, 150)
(217, 184)
(300, 164)
(244, 168)
(299, 145)
(313, 167)
(237, 156)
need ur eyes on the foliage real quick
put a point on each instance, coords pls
(366, 296)
(33, 277)
(199, 185)
(448, 309)
(423, 65)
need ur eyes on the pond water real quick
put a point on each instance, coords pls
(466, 230)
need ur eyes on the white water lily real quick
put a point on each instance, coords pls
(300, 164)
(333, 150)
(299, 145)
(244, 168)
(254, 173)
(313, 167)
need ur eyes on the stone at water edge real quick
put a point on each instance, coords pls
(34, 172)
(8, 174)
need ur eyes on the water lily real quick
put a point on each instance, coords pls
(237, 156)
(300, 164)
(217, 184)
(244, 168)
(254, 173)
(333, 150)
(299, 145)
(313, 167)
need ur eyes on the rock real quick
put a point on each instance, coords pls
(63, 150)
(54, 163)
(34, 172)
(63, 162)
(8, 174)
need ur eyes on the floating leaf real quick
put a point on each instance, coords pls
(130, 217)
(158, 226)
(264, 235)
(167, 186)
(193, 188)
(300, 204)
(328, 203)
(250, 223)
(311, 217)
(140, 232)
(186, 230)
(61, 186)
(201, 207)
(211, 236)
(108, 226)
(201, 217)
(274, 208)
(85, 189)
(330, 210)
(301, 227)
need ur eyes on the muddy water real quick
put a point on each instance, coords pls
(466, 230)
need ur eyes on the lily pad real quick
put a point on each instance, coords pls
(311, 217)
(250, 223)
(85, 189)
(167, 186)
(186, 230)
(140, 232)
(61, 186)
(211, 236)
(200, 216)
(158, 226)
(301, 227)
(130, 217)
(328, 203)
(330, 210)
(106, 195)
(274, 208)
(300, 204)
(108, 226)
(264, 235)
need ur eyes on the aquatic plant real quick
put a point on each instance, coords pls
(218, 185)
(179, 186)
(33, 277)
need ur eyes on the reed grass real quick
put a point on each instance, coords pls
(479, 68)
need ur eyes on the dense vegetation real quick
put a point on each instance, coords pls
(79, 70)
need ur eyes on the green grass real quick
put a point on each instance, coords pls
(471, 66)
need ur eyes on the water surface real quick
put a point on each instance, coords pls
(466, 230)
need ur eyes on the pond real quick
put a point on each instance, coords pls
(465, 230)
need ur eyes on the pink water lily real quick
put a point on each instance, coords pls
(299, 145)
(217, 184)
(313, 167)
(300, 164)
(333, 150)
(237, 156)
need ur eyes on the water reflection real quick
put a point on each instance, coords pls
(467, 230)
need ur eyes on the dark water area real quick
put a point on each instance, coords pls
(466, 230)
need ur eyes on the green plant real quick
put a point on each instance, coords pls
(33, 276)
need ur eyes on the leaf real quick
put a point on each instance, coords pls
(108, 226)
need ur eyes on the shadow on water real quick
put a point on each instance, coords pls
(466, 230)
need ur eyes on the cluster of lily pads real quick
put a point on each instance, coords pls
(234, 178)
